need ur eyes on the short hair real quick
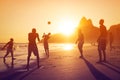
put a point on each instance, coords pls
(33, 30)
(11, 39)
(101, 21)
(49, 33)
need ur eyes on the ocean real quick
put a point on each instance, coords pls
(21, 51)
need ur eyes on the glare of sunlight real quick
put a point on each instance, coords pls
(68, 47)
(67, 26)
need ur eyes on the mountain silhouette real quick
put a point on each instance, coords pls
(91, 33)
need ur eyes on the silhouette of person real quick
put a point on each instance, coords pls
(111, 40)
(102, 40)
(32, 46)
(80, 42)
(45, 42)
(9, 46)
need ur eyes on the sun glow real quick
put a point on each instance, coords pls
(67, 26)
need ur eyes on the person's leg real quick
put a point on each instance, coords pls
(80, 50)
(5, 56)
(12, 57)
(110, 47)
(104, 55)
(38, 58)
(47, 52)
(28, 59)
(46, 49)
(100, 54)
(104, 52)
(35, 51)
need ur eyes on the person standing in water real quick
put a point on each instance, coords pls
(102, 41)
(80, 42)
(32, 46)
(45, 42)
(9, 46)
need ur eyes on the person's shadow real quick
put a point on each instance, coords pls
(18, 73)
(96, 73)
(9, 66)
(112, 67)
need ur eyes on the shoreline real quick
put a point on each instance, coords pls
(58, 60)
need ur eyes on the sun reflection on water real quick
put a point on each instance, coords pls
(68, 47)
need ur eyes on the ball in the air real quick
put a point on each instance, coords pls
(49, 22)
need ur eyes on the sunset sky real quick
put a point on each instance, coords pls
(18, 17)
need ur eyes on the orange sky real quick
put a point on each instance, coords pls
(18, 17)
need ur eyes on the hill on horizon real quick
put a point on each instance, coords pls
(91, 33)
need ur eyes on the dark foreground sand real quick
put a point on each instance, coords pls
(66, 65)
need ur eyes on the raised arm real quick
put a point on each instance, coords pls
(38, 37)
(5, 45)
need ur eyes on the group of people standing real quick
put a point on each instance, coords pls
(102, 42)
(32, 46)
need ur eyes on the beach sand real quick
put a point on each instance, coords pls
(66, 65)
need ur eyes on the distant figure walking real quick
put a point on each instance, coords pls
(102, 41)
(111, 40)
(80, 42)
(9, 46)
(32, 46)
(45, 42)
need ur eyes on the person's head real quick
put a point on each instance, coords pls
(11, 39)
(49, 33)
(101, 21)
(33, 30)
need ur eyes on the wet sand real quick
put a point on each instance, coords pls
(66, 65)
